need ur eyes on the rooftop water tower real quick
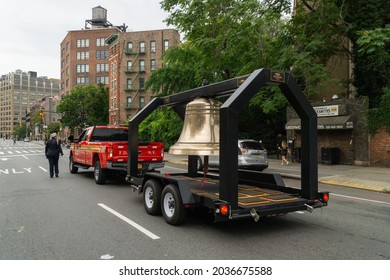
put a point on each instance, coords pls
(99, 19)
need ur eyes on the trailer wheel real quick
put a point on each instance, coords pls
(73, 169)
(152, 197)
(99, 174)
(172, 206)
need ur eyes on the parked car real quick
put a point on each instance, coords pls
(26, 139)
(251, 155)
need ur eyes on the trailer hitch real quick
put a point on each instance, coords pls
(309, 208)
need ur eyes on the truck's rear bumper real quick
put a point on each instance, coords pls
(142, 165)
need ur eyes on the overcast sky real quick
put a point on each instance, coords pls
(33, 29)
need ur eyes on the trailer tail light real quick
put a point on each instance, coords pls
(324, 197)
(224, 209)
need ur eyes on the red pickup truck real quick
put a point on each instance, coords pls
(105, 148)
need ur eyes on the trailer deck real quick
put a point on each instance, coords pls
(248, 196)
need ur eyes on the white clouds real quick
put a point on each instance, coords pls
(32, 30)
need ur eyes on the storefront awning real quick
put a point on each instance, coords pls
(339, 122)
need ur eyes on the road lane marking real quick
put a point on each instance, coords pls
(130, 222)
(42, 168)
(362, 199)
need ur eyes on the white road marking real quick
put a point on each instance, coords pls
(130, 222)
(358, 198)
(106, 257)
(42, 168)
(300, 212)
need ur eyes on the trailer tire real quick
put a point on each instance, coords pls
(99, 174)
(72, 168)
(172, 206)
(152, 197)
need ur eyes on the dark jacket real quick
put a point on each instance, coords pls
(53, 148)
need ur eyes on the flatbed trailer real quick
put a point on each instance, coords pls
(234, 193)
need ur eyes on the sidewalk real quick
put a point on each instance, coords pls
(370, 178)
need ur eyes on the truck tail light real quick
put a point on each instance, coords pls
(162, 153)
(109, 152)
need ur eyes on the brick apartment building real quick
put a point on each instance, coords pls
(107, 54)
(133, 58)
(84, 53)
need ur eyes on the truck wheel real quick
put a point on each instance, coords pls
(73, 169)
(172, 206)
(99, 174)
(152, 197)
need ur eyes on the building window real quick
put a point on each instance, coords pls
(129, 65)
(128, 102)
(153, 46)
(83, 43)
(142, 47)
(142, 101)
(82, 68)
(102, 67)
(166, 45)
(82, 55)
(142, 83)
(142, 65)
(82, 80)
(152, 64)
(102, 54)
(101, 42)
(102, 80)
(129, 47)
(113, 69)
(129, 84)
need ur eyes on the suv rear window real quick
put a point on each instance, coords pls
(251, 145)
(109, 134)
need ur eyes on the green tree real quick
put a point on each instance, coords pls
(85, 105)
(366, 25)
(53, 127)
(21, 131)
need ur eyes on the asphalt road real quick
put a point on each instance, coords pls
(72, 218)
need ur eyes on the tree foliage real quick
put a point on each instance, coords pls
(85, 105)
(366, 25)
(229, 38)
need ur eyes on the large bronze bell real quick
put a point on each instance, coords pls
(200, 134)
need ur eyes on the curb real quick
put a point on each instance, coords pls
(341, 183)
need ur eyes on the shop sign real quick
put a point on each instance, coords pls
(326, 111)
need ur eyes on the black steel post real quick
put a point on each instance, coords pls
(132, 163)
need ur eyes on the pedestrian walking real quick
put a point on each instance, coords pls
(283, 152)
(53, 151)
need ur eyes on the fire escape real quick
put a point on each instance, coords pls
(134, 72)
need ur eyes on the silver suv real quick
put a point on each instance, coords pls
(251, 155)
